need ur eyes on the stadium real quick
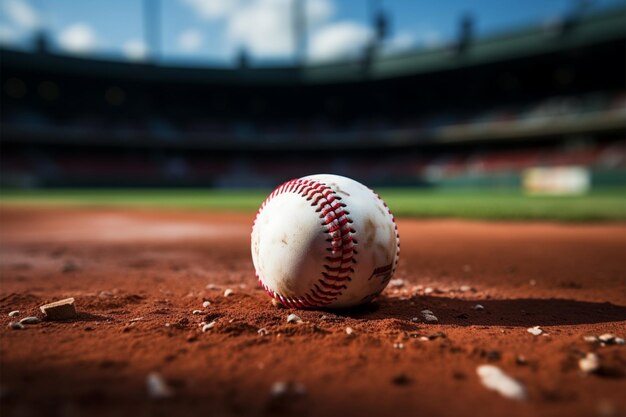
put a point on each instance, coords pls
(131, 185)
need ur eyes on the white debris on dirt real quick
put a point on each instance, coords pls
(207, 326)
(590, 339)
(211, 287)
(135, 319)
(495, 379)
(590, 363)
(292, 318)
(157, 387)
(349, 331)
(14, 313)
(206, 304)
(279, 389)
(415, 319)
(277, 303)
(535, 331)
(283, 388)
(429, 316)
(16, 325)
(228, 292)
(466, 288)
(428, 290)
(396, 283)
(478, 307)
(398, 345)
(196, 312)
(30, 320)
(263, 331)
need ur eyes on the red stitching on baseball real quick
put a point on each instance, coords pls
(340, 239)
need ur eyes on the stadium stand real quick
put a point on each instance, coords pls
(541, 96)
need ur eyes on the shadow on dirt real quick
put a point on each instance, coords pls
(524, 312)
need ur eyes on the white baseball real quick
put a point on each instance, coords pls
(324, 241)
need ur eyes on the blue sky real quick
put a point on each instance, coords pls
(215, 30)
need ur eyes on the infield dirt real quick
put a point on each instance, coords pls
(137, 276)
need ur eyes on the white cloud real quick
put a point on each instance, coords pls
(78, 38)
(339, 40)
(7, 34)
(212, 9)
(134, 49)
(318, 11)
(21, 14)
(190, 40)
(263, 27)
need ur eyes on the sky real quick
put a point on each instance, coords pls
(216, 31)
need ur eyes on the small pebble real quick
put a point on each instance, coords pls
(478, 307)
(437, 336)
(30, 320)
(429, 316)
(590, 339)
(424, 339)
(349, 331)
(292, 318)
(398, 346)
(263, 331)
(428, 290)
(211, 287)
(207, 326)
(228, 292)
(465, 288)
(415, 319)
(535, 331)
(279, 389)
(14, 313)
(590, 363)
(157, 387)
(196, 312)
(495, 379)
(206, 304)
(283, 388)
(15, 325)
(521, 360)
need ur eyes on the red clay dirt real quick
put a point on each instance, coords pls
(138, 275)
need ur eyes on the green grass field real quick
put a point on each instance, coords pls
(602, 205)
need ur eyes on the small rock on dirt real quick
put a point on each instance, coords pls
(30, 320)
(157, 387)
(59, 310)
(590, 363)
(16, 325)
(292, 318)
(228, 292)
(535, 331)
(429, 316)
(14, 313)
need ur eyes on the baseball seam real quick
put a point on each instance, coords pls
(395, 226)
(338, 226)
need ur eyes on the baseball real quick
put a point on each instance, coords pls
(324, 241)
